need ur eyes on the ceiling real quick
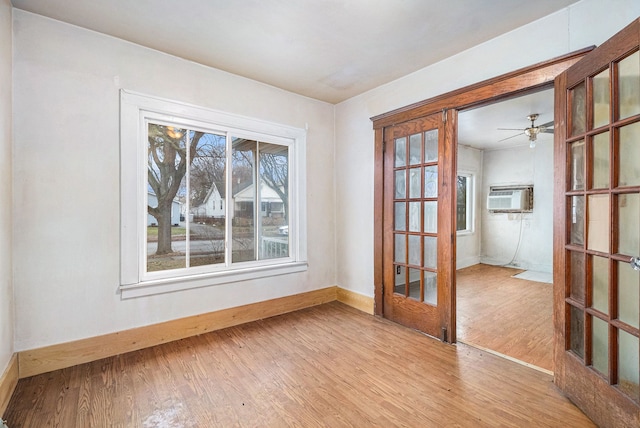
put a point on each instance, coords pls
(478, 128)
(330, 50)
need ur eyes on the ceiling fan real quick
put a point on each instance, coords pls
(532, 131)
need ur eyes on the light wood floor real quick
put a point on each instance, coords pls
(329, 365)
(511, 316)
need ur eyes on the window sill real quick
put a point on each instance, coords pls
(149, 288)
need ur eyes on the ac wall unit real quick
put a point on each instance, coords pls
(510, 200)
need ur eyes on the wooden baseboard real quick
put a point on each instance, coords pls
(8, 382)
(355, 300)
(49, 358)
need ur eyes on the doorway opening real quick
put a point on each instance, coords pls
(504, 217)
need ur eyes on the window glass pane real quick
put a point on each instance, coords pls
(166, 185)
(273, 176)
(414, 250)
(629, 224)
(577, 165)
(431, 181)
(600, 345)
(628, 355)
(576, 331)
(430, 217)
(629, 155)
(461, 203)
(628, 294)
(243, 175)
(600, 283)
(577, 220)
(578, 109)
(414, 183)
(400, 222)
(629, 85)
(415, 148)
(400, 184)
(599, 225)
(601, 161)
(601, 99)
(577, 276)
(414, 216)
(431, 146)
(430, 252)
(430, 288)
(206, 199)
(400, 151)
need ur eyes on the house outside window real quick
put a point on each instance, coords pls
(196, 159)
(464, 203)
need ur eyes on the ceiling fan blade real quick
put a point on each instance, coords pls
(513, 136)
(544, 125)
(547, 131)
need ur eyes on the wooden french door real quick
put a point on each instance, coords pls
(597, 231)
(418, 229)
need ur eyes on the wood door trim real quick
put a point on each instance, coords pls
(506, 85)
(493, 89)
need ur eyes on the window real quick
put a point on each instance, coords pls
(205, 196)
(464, 204)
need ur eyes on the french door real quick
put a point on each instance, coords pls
(418, 244)
(597, 231)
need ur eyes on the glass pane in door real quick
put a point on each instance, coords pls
(431, 146)
(430, 252)
(629, 155)
(628, 294)
(431, 181)
(600, 283)
(430, 217)
(577, 165)
(629, 224)
(601, 99)
(400, 216)
(576, 331)
(430, 288)
(577, 220)
(578, 99)
(577, 276)
(598, 228)
(400, 152)
(629, 85)
(628, 355)
(601, 161)
(600, 345)
(415, 146)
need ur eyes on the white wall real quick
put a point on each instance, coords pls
(469, 245)
(6, 287)
(66, 174)
(583, 24)
(501, 232)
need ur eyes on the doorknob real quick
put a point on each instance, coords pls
(635, 263)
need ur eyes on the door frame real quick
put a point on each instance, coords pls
(496, 89)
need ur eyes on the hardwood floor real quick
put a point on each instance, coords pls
(328, 365)
(507, 315)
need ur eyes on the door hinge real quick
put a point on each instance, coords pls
(444, 334)
(444, 115)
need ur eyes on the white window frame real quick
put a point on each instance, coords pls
(135, 112)
(471, 211)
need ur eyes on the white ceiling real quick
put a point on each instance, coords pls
(330, 50)
(478, 128)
